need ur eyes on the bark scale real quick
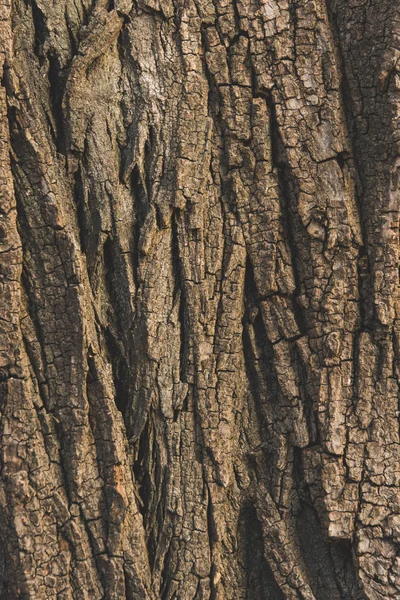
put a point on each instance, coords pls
(199, 249)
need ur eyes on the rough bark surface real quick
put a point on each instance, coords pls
(199, 284)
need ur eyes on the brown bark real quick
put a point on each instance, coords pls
(199, 283)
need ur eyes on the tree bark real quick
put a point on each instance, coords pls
(199, 292)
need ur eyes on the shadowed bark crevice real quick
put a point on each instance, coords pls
(39, 23)
(261, 584)
(7, 585)
(141, 468)
(81, 210)
(57, 80)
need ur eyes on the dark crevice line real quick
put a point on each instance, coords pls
(280, 163)
(261, 583)
(179, 288)
(141, 207)
(95, 554)
(287, 219)
(57, 79)
(81, 215)
(41, 380)
(310, 538)
(150, 479)
(345, 574)
(236, 13)
(353, 160)
(120, 370)
(103, 463)
(260, 371)
(321, 555)
(295, 23)
(141, 467)
(73, 42)
(306, 398)
(149, 157)
(288, 222)
(212, 538)
(39, 25)
(118, 331)
(6, 570)
(165, 580)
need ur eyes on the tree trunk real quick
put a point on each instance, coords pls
(199, 284)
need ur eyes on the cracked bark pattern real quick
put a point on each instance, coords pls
(199, 240)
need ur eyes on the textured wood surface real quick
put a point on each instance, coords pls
(199, 300)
